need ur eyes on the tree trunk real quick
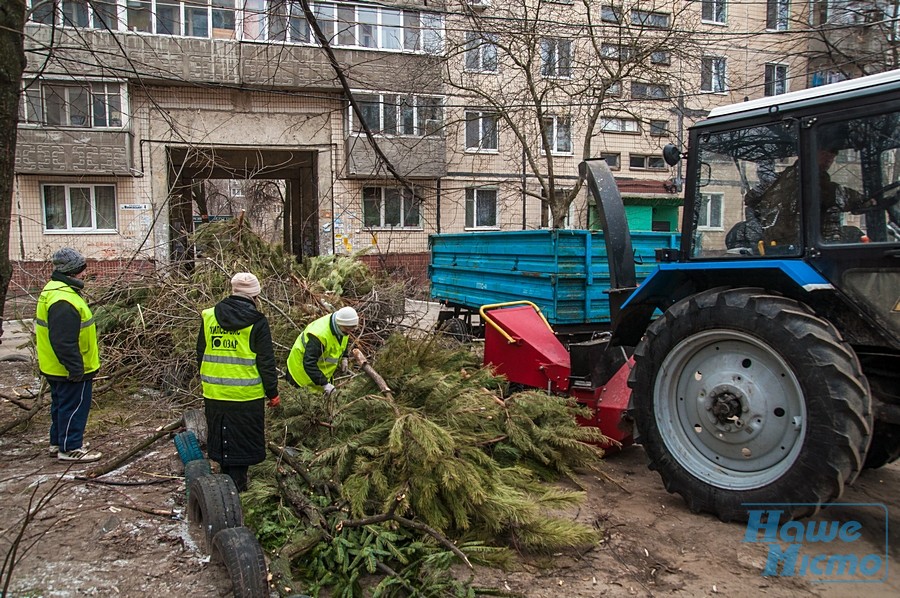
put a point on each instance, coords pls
(12, 64)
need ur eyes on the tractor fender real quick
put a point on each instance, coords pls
(672, 282)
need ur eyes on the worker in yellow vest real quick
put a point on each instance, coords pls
(319, 349)
(238, 374)
(68, 355)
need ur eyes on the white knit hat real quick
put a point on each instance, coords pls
(245, 284)
(346, 316)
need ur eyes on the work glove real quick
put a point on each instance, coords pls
(328, 388)
(274, 401)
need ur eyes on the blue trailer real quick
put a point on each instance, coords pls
(564, 272)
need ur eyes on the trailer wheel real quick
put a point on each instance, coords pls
(243, 557)
(456, 328)
(745, 397)
(214, 504)
(188, 446)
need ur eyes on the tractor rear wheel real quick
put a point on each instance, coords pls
(741, 396)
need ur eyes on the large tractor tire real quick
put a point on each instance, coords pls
(744, 397)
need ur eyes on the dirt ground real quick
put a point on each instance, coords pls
(127, 536)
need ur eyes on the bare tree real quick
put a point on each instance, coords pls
(12, 64)
(546, 73)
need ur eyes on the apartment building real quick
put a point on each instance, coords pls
(384, 122)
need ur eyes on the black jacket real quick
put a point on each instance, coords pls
(235, 313)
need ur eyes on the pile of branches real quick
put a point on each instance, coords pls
(148, 323)
(423, 463)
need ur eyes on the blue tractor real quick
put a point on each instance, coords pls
(767, 347)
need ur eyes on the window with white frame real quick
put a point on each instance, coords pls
(778, 13)
(713, 11)
(349, 25)
(556, 57)
(775, 79)
(79, 207)
(710, 216)
(481, 131)
(646, 162)
(611, 89)
(712, 74)
(611, 14)
(481, 52)
(616, 51)
(613, 160)
(558, 131)
(481, 208)
(649, 91)
(619, 125)
(647, 18)
(391, 207)
(390, 114)
(94, 104)
(659, 128)
(660, 57)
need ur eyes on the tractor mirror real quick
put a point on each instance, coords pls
(671, 154)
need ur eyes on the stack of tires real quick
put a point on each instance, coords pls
(214, 505)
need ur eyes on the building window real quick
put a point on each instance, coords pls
(260, 20)
(659, 128)
(713, 11)
(619, 125)
(615, 51)
(558, 131)
(710, 215)
(85, 105)
(390, 207)
(776, 79)
(79, 208)
(614, 161)
(649, 91)
(611, 14)
(646, 18)
(777, 14)
(556, 58)
(389, 114)
(481, 53)
(712, 74)
(613, 89)
(481, 208)
(481, 131)
(646, 162)
(661, 57)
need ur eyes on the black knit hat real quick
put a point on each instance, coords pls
(68, 261)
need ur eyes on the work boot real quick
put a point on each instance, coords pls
(82, 455)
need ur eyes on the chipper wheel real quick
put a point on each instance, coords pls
(745, 397)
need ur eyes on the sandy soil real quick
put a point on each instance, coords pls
(99, 539)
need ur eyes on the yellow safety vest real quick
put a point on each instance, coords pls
(228, 371)
(332, 349)
(48, 363)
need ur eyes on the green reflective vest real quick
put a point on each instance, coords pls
(332, 349)
(228, 371)
(48, 363)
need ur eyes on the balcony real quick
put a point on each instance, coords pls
(412, 157)
(80, 152)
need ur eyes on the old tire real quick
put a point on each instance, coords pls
(214, 504)
(193, 470)
(239, 550)
(188, 446)
(746, 397)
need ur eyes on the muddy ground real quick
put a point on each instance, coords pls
(127, 536)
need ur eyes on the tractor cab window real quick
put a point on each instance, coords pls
(858, 169)
(747, 192)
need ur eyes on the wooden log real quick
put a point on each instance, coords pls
(121, 459)
(370, 371)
